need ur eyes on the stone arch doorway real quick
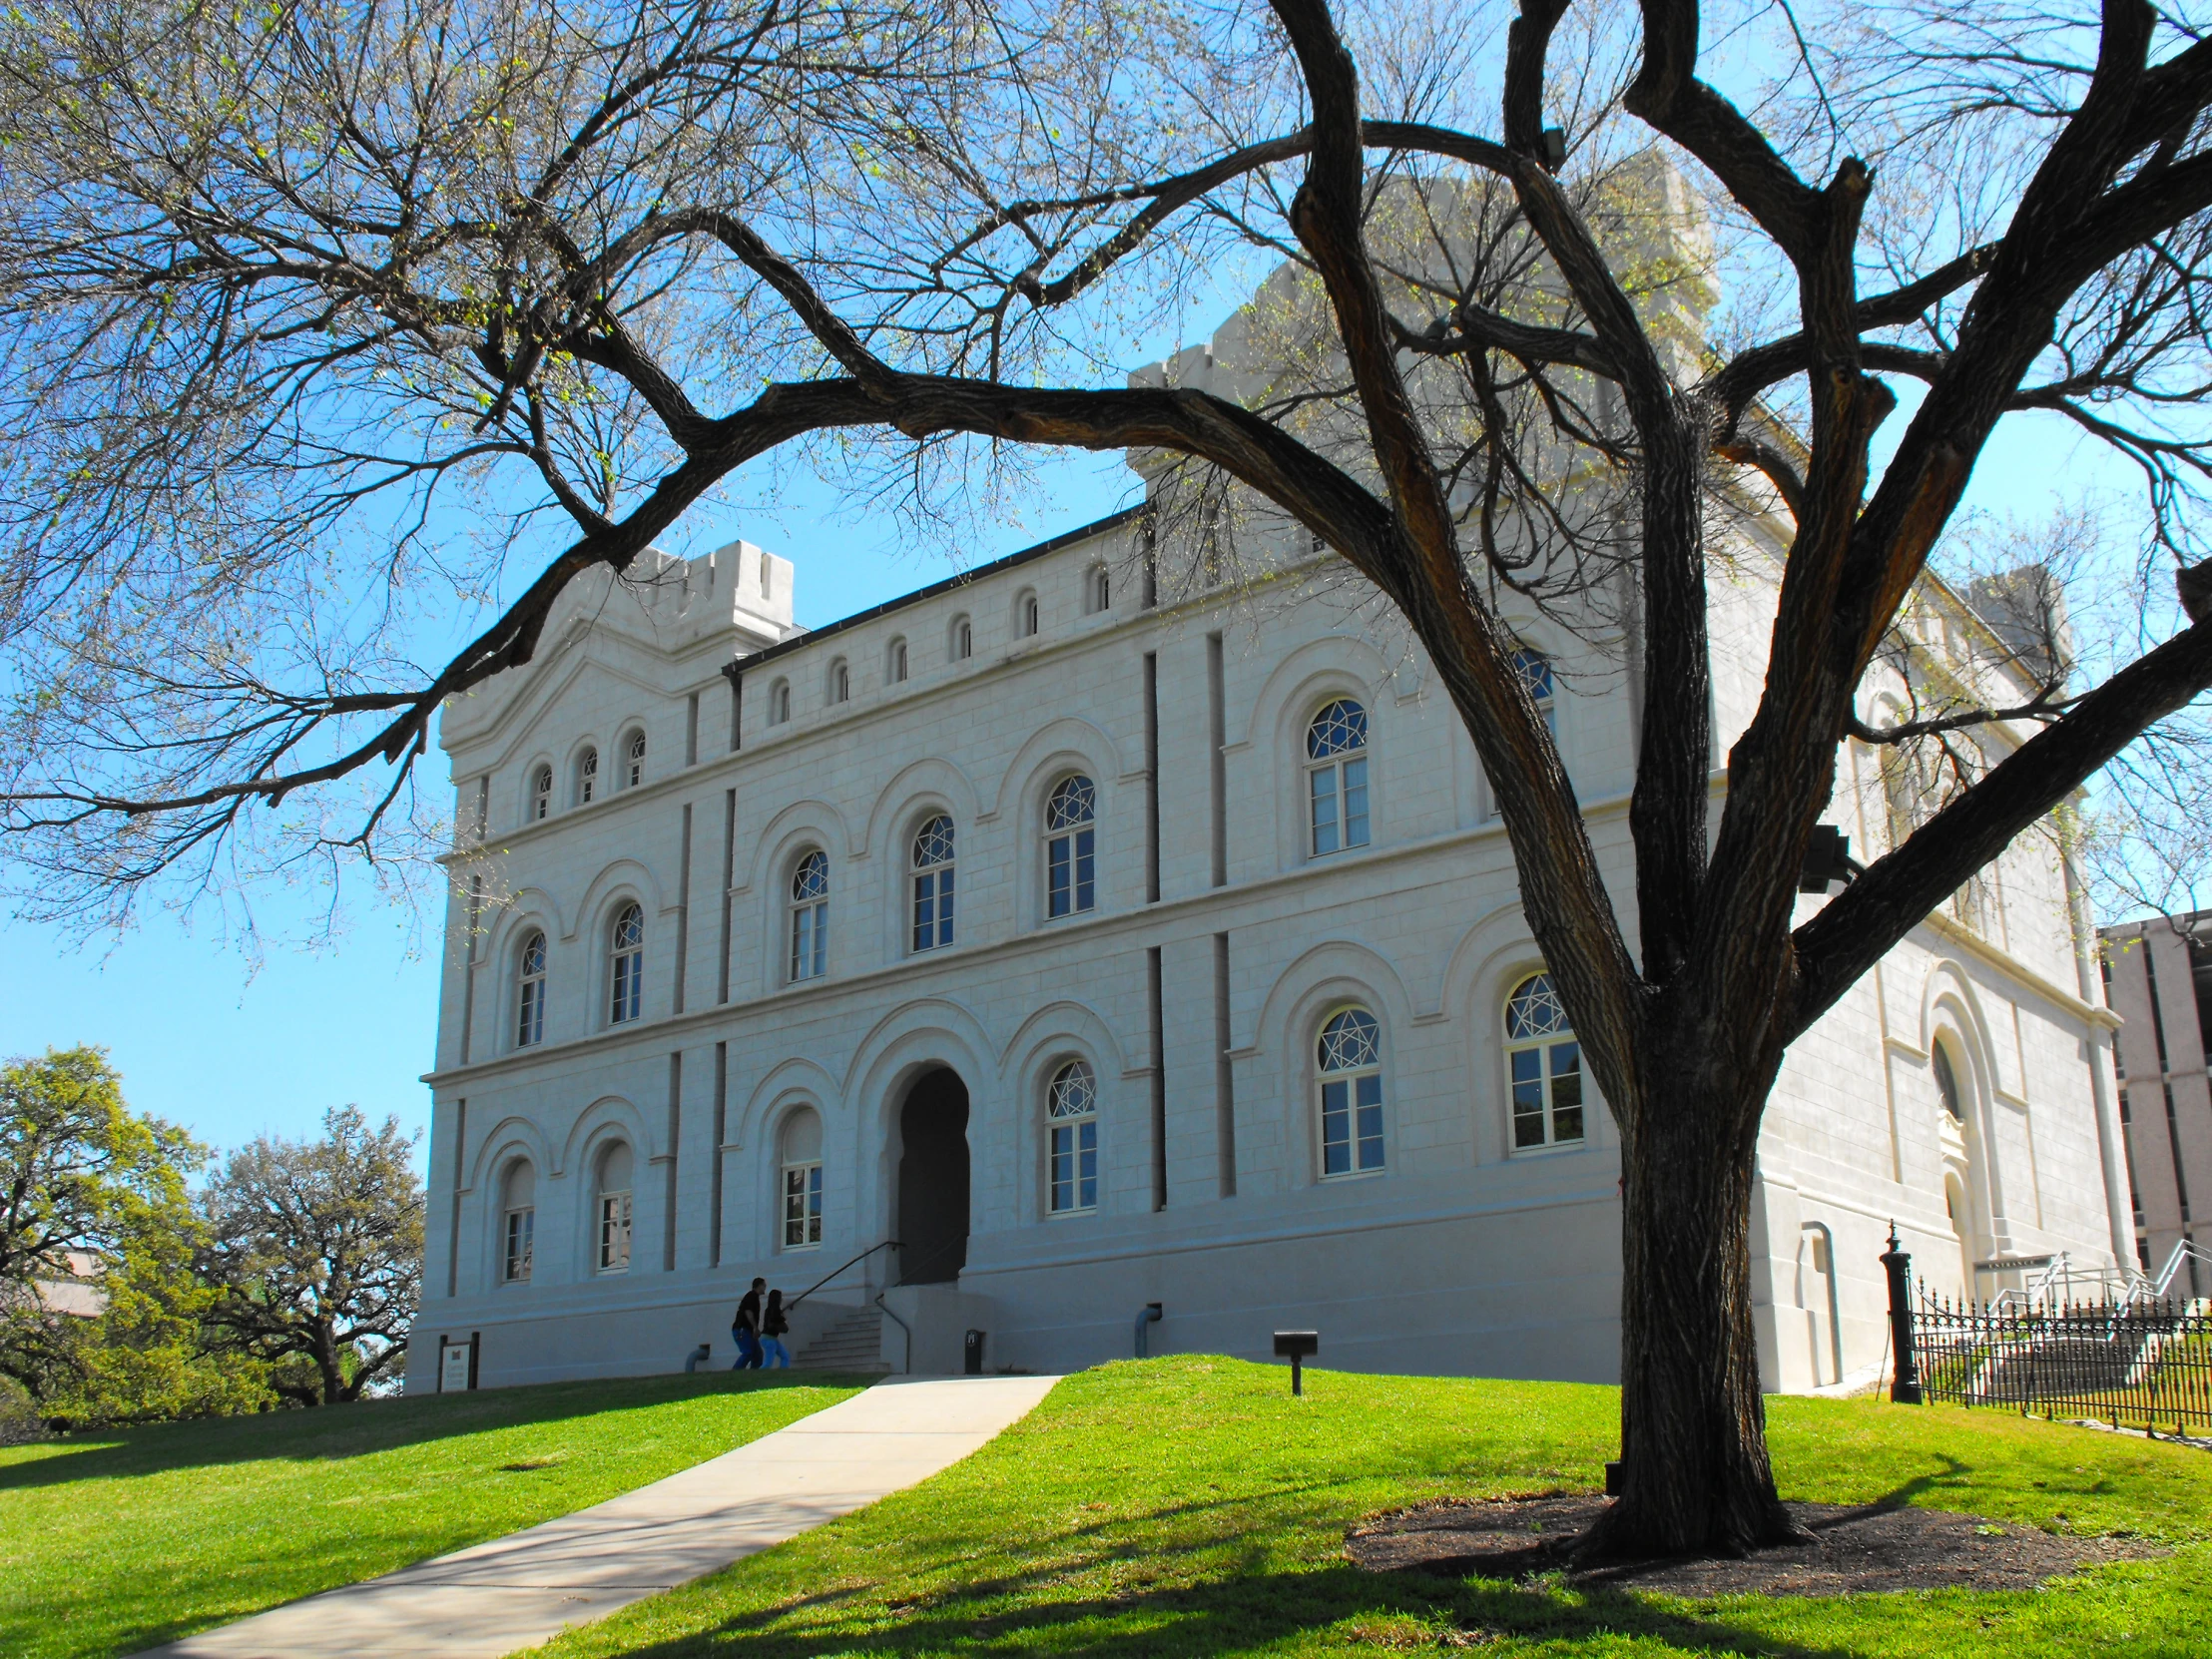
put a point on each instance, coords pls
(933, 1220)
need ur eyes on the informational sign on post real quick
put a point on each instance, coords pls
(454, 1370)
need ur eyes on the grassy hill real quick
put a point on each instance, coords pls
(113, 1542)
(1174, 1506)
(1191, 1506)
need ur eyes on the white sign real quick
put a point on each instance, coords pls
(453, 1367)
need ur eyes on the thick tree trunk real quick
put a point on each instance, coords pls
(1693, 1424)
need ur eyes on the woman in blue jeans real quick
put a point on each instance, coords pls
(773, 1326)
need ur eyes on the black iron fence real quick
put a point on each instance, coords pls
(2145, 1365)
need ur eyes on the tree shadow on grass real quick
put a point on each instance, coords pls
(1245, 1611)
(336, 1433)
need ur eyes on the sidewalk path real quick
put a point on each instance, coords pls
(520, 1590)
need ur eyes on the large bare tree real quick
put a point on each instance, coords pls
(277, 286)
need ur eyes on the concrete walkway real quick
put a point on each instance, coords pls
(523, 1589)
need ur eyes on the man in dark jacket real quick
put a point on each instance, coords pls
(745, 1330)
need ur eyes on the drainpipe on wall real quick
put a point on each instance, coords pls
(1147, 1314)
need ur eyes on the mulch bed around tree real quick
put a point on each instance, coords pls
(1872, 1547)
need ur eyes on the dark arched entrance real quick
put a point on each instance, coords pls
(932, 1219)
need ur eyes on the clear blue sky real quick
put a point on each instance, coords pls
(207, 1037)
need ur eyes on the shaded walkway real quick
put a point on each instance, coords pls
(522, 1589)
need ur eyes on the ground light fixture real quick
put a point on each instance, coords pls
(1297, 1347)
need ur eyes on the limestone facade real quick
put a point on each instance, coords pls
(647, 1160)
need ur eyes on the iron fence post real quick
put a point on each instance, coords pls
(1905, 1386)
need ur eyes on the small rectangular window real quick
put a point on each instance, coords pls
(521, 1224)
(1075, 1166)
(802, 1204)
(614, 1233)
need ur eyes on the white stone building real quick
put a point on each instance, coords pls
(1108, 952)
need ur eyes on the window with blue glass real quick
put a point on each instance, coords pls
(810, 917)
(1534, 668)
(1336, 779)
(933, 884)
(531, 983)
(627, 970)
(1350, 1093)
(1071, 1119)
(1544, 1063)
(1070, 848)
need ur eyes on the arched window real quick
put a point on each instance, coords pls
(897, 665)
(633, 761)
(933, 884)
(541, 793)
(530, 983)
(963, 639)
(801, 1180)
(1337, 778)
(780, 703)
(810, 929)
(1100, 590)
(841, 681)
(587, 777)
(1946, 1082)
(1350, 1056)
(1025, 616)
(626, 965)
(1534, 669)
(1070, 846)
(614, 1209)
(1071, 1118)
(518, 1221)
(1545, 1064)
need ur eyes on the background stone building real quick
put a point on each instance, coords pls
(2158, 975)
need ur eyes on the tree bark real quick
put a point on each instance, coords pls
(1697, 1479)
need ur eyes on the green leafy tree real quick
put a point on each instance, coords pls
(314, 1253)
(100, 1311)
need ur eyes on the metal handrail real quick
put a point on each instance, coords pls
(880, 1244)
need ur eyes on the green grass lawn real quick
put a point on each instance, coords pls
(114, 1542)
(1191, 1506)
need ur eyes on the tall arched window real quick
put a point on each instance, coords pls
(1101, 590)
(780, 703)
(1350, 1061)
(1536, 672)
(1070, 846)
(530, 985)
(897, 664)
(1071, 1120)
(518, 1221)
(1026, 615)
(1946, 1082)
(541, 792)
(1545, 1064)
(614, 1209)
(841, 681)
(801, 1179)
(1337, 778)
(963, 639)
(633, 761)
(587, 777)
(626, 964)
(933, 884)
(809, 924)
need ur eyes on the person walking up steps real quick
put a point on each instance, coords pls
(773, 1326)
(745, 1330)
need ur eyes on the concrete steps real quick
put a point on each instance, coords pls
(854, 1344)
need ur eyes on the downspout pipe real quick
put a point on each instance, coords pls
(1149, 1313)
